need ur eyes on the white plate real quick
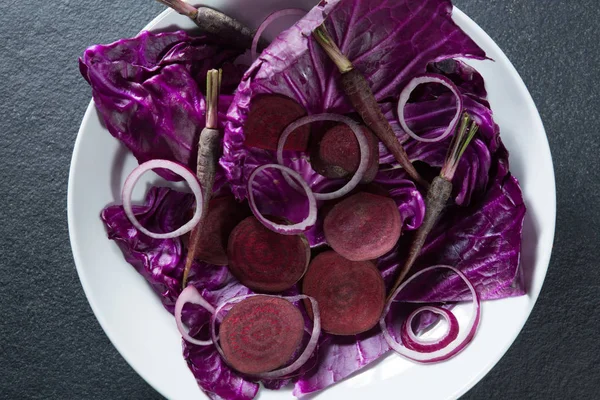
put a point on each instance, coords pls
(145, 334)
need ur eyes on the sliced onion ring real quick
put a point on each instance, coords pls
(267, 21)
(405, 95)
(178, 169)
(362, 144)
(441, 349)
(411, 341)
(191, 295)
(308, 350)
(294, 229)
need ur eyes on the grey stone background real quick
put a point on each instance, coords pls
(51, 346)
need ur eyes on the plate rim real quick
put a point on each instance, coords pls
(457, 14)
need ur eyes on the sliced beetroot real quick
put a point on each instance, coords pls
(337, 154)
(269, 115)
(373, 188)
(224, 213)
(350, 294)
(363, 226)
(264, 260)
(261, 333)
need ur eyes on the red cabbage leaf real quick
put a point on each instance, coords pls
(148, 91)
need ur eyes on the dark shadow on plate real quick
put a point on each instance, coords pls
(529, 246)
(174, 28)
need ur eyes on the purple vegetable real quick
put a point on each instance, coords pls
(437, 197)
(148, 90)
(482, 240)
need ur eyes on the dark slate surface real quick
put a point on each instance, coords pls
(51, 346)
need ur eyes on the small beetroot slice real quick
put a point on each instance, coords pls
(224, 213)
(261, 333)
(337, 154)
(363, 226)
(350, 294)
(269, 115)
(264, 260)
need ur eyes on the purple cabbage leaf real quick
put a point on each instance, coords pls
(148, 91)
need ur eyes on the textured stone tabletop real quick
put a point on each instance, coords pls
(52, 347)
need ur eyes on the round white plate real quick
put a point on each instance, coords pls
(145, 334)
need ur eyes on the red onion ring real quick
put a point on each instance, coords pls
(413, 342)
(362, 144)
(267, 21)
(440, 349)
(405, 95)
(191, 295)
(308, 350)
(178, 169)
(294, 229)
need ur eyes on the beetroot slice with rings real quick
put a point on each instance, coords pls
(350, 294)
(337, 153)
(264, 260)
(269, 115)
(261, 333)
(363, 226)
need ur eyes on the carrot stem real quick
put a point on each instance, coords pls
(213, 87)
(438, 194)
(208, 154)
(357, 88)
(216, 23)
(459, 144)
(333, 51)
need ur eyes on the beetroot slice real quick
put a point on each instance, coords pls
(363, 226)
(337, 154)
(269, 115)
(260, 334)
(264, 260)
(373, 188)
(224, 213)
(350, 294)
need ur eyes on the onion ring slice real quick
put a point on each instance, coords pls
(411, 86)
(178, 169)
(441, 349)
(191, 295)
(294, 229)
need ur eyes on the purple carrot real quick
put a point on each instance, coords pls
(438, 194)
(208, 154)
(361, 96)
(216, 23)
